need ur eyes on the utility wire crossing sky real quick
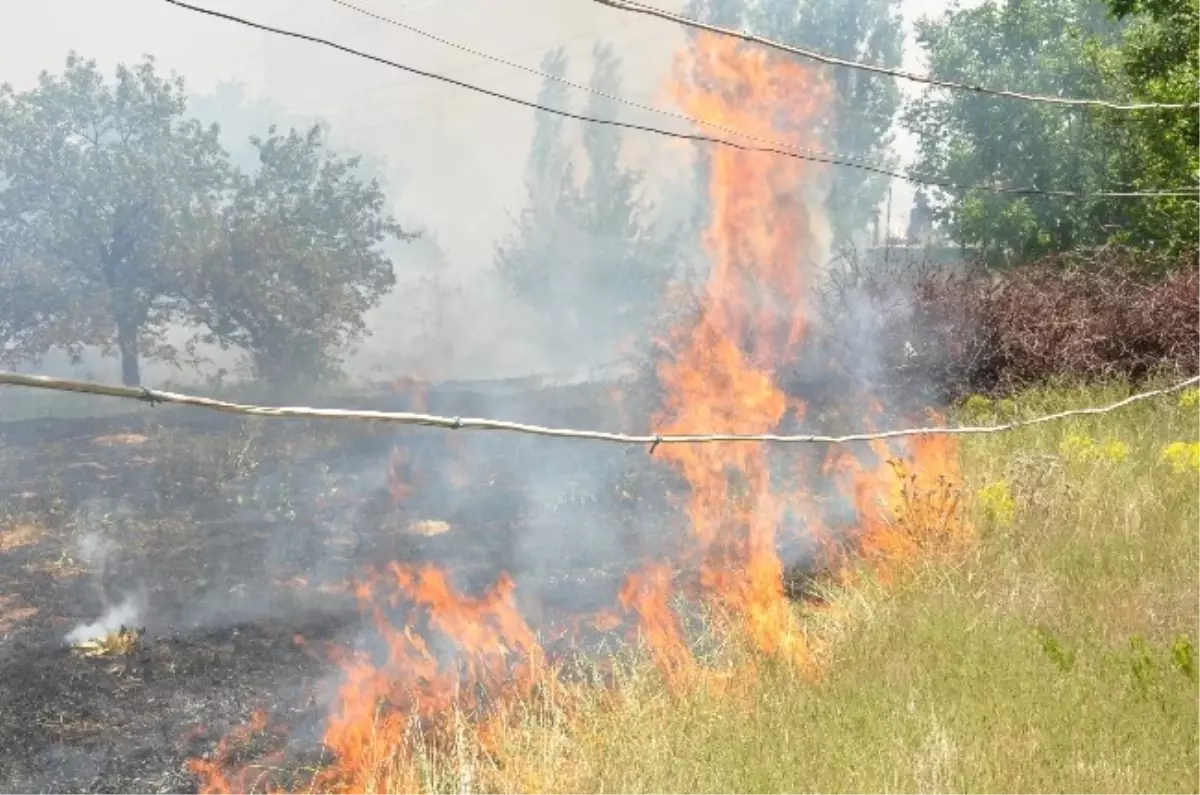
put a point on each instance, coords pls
(641, 8)
(834, 160)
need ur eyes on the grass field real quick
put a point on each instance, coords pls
(1058, 654)
(1051, 645)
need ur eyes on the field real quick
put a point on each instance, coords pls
(1056, 651)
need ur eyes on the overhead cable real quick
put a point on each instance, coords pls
(155, 396)
(641, 8)
(589, 89)
(815, 158)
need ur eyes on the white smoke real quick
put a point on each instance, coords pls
(125, 614)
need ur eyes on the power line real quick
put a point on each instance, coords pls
(579, 86)
(626, 25)
(834, 161)
(153, 396)
(640, 8)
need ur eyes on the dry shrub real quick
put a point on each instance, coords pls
(1095, 315)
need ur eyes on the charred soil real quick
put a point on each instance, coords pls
(236, 544)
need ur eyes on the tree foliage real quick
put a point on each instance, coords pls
(1066, 48)
(860, 122)
(298, 260)
(121, 217)
(585, 254)
(1160, 56)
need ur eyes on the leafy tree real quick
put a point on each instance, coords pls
(105, 190)
(299, 260)
(1059, 47)
(859, 123)
(1160, 57)
(121, 217)
(584, 254)
(527, 260)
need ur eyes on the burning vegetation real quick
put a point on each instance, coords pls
(437, 661)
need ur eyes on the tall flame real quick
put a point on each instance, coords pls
(722, 376)
(439, 655)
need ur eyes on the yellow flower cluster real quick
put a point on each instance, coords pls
(1182, 457)
(997, 502)
(1081, 447)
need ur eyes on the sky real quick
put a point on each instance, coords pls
(454, 158)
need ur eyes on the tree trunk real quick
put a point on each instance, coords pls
(127, 343)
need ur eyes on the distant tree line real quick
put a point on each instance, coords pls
(122, 215)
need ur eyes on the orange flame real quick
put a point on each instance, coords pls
(751, 317)
(443, 654)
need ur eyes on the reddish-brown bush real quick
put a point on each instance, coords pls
(1100, 315)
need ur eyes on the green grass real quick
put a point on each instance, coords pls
(1059, 655)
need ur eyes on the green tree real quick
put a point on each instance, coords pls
(860, 121)
(585, 254)
(299, 260)
(104, 191)
(1058, 47)
(528, 259)
(121, 217)
(1160, 56)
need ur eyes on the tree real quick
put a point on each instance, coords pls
(859, 124)
(122, 217)
(1160, 57)
(1060, 47)
(105, 193)
(299, 262)
(526, 261)
(584, 254)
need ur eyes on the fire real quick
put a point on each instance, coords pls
(384, 698)
(908, 507)
(437, 657)
(646, 594)
(722, 376)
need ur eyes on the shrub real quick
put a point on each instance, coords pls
(1091, 316)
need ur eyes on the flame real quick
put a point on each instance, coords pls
(646, 594)
(751, 317)
(438, 657)
(494, 655)
(907, 505)
(214, 774)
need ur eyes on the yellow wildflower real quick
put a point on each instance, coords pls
(1113, 450)
(1182, 457)
(997, 502)
(1077, 447)
(1081, 447)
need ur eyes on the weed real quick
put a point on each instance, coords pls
(1061, 656)
(1183, 655)
(1182, 457)
(997, 503)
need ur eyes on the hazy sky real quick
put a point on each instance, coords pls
(455, 158)
(460, 154)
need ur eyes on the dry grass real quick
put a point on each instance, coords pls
(1058, 654)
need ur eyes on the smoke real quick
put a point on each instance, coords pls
(125, 614)
(245, 526)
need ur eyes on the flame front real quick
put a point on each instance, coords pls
(440, 657)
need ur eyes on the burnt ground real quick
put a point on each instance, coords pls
(236, 539)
